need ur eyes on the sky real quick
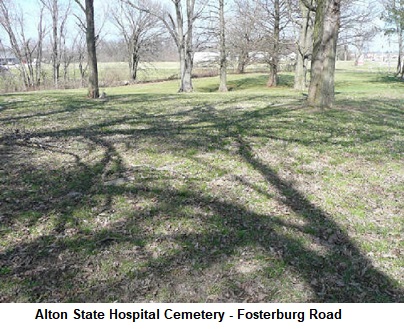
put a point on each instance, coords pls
(31, 14)
(30, 7)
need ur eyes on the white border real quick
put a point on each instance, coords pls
(367, 316)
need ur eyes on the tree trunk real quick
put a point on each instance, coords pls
(134, 63)
(55, 48)
(184, 44)
(400, 64)
(185, 71)
(346, 52)
(326, 27)
(304, 48)
(38, 63)
(134, 60)
(57, 36)
(93, 90)
(186, 81)
(273, 76)
(358, 56)
(82, 70)
(223, 54)
(242, 62)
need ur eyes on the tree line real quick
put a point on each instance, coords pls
(241, 31)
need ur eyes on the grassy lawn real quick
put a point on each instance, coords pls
(248, 196)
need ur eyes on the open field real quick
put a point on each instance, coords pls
(117, 73)
(248, 196)
(110, 74)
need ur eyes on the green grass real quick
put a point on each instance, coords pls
(204, 197)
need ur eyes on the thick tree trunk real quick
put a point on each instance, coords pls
(304, 48)
(186, 64)
(223, 55)
(326, 27)
(273, 75)
(93, 90)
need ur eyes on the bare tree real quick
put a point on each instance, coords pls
(89, 27)
(67, 56)
(222, 47)
(358, 25)
(27, 49)
(181, 27)
(140, 29)
(393, 15)
(59, 17)
(245, 34)
(305, 42)
(181, 30)
(213, 35)
(326, 27)
(79, 52)
(274, 21)
(363, 33)
(273, 77)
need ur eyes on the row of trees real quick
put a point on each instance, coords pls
(29, 45)
(324, 34)
(243, 30)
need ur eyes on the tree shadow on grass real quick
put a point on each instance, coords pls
(54, 267)
(85, 254)
(241, 83)
(246, 82)
(352, 275)
(55, 107)
(389, 80)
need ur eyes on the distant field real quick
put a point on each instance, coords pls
(248, 196)
(117, 74)
(147, 71)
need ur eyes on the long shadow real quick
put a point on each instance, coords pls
(344, 263)
(343, 274)
(59, 264)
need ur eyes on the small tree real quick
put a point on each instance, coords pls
(274, 22)
(27, 50)
(140, 29)
(181, 28)
(59, 16)
(305, 42)
(358, 26)
(244, 32)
